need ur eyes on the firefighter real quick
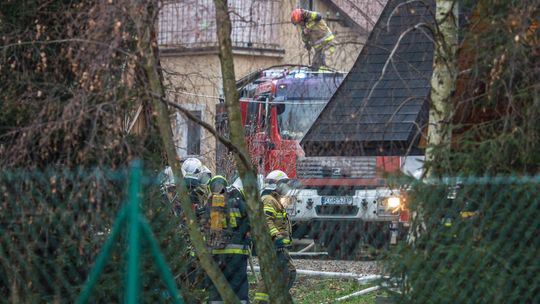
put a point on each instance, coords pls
(196, 177)
(315, 34)
(276, 187)
(228, 237)
(194, 278)
(194, 173)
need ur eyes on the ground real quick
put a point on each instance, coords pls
(316, 290)
(309, 290)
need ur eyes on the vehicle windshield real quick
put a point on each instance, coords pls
(300, 98)
(297, 118)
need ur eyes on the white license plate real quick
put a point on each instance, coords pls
(337, 200)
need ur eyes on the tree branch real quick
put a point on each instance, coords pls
(225, 141)
(272, 278)
(141, 12)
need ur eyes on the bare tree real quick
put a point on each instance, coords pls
(443, 83)
(143, 15)
(267, 255)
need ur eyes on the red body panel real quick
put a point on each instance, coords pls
(388, 163)
(243, 111)
(404, 215)
(270, 152)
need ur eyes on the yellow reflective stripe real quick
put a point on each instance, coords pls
(260, 296)
(467, 214)
(218, 200)
(270, 209)
(230, 251)
(232, 220)
(281, 214)
(331, 37)
(274, 231)
(331, 50)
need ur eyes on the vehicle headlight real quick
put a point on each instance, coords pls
(393, 202)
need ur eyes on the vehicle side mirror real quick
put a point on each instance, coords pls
(280, 106)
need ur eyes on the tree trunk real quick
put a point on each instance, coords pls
(265, 248)
(443, 83)
(142, 15)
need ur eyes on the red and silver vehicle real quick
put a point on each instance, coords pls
(342, 202)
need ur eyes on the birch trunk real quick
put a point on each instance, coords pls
(147, 47)
(265, 248)
(443, 83)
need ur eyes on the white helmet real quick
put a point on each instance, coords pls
(238, 184)
(191, 167)
(277, 181)
(204, 175)
(276, 176)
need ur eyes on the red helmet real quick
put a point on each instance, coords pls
(297, 16)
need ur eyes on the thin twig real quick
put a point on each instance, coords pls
(225, 141)
(66, 40)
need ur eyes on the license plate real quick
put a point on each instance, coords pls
(337, 200)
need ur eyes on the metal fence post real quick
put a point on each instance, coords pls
(137, 227)
(132, 279)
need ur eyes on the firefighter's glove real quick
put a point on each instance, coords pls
(281, 243)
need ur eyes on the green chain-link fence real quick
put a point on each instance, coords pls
(70, 236)
(472, 240)
(80, 236)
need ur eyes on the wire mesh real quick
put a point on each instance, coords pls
(470, 240)
(191, 24)
(53, 225)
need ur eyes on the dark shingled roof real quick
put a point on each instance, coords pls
(382, 105)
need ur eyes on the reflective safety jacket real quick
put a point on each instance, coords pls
(315, 32)
(276, 217)
(234, 236)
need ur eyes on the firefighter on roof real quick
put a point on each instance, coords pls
(228, 235)
(276, 187)
(315, 34)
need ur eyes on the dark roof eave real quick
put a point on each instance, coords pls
(362, 148)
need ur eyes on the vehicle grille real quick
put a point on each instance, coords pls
(336, 167)
(336, 210)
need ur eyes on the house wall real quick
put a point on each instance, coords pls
(194, 77)
(195, 82)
